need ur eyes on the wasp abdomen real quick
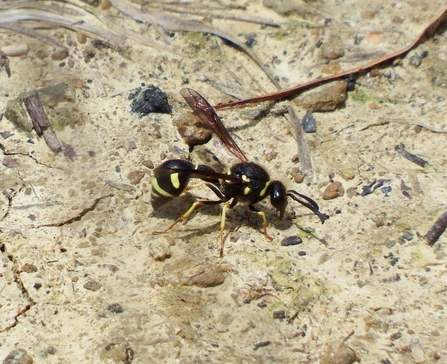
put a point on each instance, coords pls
(172, 177)
(167, 183)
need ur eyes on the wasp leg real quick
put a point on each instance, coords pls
(224, 210)
(222, 226)
(222, 223)
(249, 217)
(264, 221)
(185, 216)
(191, 187)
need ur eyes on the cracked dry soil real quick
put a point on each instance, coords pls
(84, 280)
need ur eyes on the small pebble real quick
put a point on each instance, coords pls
(261, 344)
(309, 123)
(29, 268)
(351, 192)
(417, 353)
(88, 54)
(415, 57)
(347, 173)
(192, 129)
(374, 37)
(69, 40)
(115, 308)
(386, 190)
(408, 235)
(338, 352)
(18, 356)
(291, 240)
(331, 68)
(368, 14)
(59, 55)
(395, 336)
(5, 134)
(332, 48)
(148, 100)
(10, 162)
(235, 236)
(50, 350)
(416, 60)
(280, 314)
(160, 248)
(199, 274)
(92, 285)
(135, 177)
(298, 177)
(81, 38)
(130, 145)
(333, 190)
(40, 54)
(270, 156)
(390, 243)
(149, 164)
(323, 98)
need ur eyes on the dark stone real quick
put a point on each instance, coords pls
(149, 100)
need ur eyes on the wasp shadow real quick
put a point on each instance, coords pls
(237, 216)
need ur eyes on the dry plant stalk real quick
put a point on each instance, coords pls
(293, 91)
(41, 123)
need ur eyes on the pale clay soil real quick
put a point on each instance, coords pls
(84, 280)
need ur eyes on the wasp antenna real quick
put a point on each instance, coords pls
(309, 203)
(308, 199)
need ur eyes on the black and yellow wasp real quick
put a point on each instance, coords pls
(244, 182)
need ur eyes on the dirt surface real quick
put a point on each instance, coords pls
(84, 279)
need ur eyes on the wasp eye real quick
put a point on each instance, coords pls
(278, 197)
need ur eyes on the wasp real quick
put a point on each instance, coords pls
(244, 182)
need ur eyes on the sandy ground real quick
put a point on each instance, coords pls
(83, 279)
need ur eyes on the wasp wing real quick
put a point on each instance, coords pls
(168, 183)
(205, 112)
(204, 175)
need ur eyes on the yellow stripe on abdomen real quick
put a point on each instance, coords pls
(160, 191)
(175, 180)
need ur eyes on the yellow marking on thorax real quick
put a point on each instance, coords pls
(245, 178)
(247, 190)
(262, 193)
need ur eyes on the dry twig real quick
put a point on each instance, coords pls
(219, 13)
(293, 91)
(40, 122)
(303, 148)
(176, 24)
(4, 63)
(437, 229)
(10, 19)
